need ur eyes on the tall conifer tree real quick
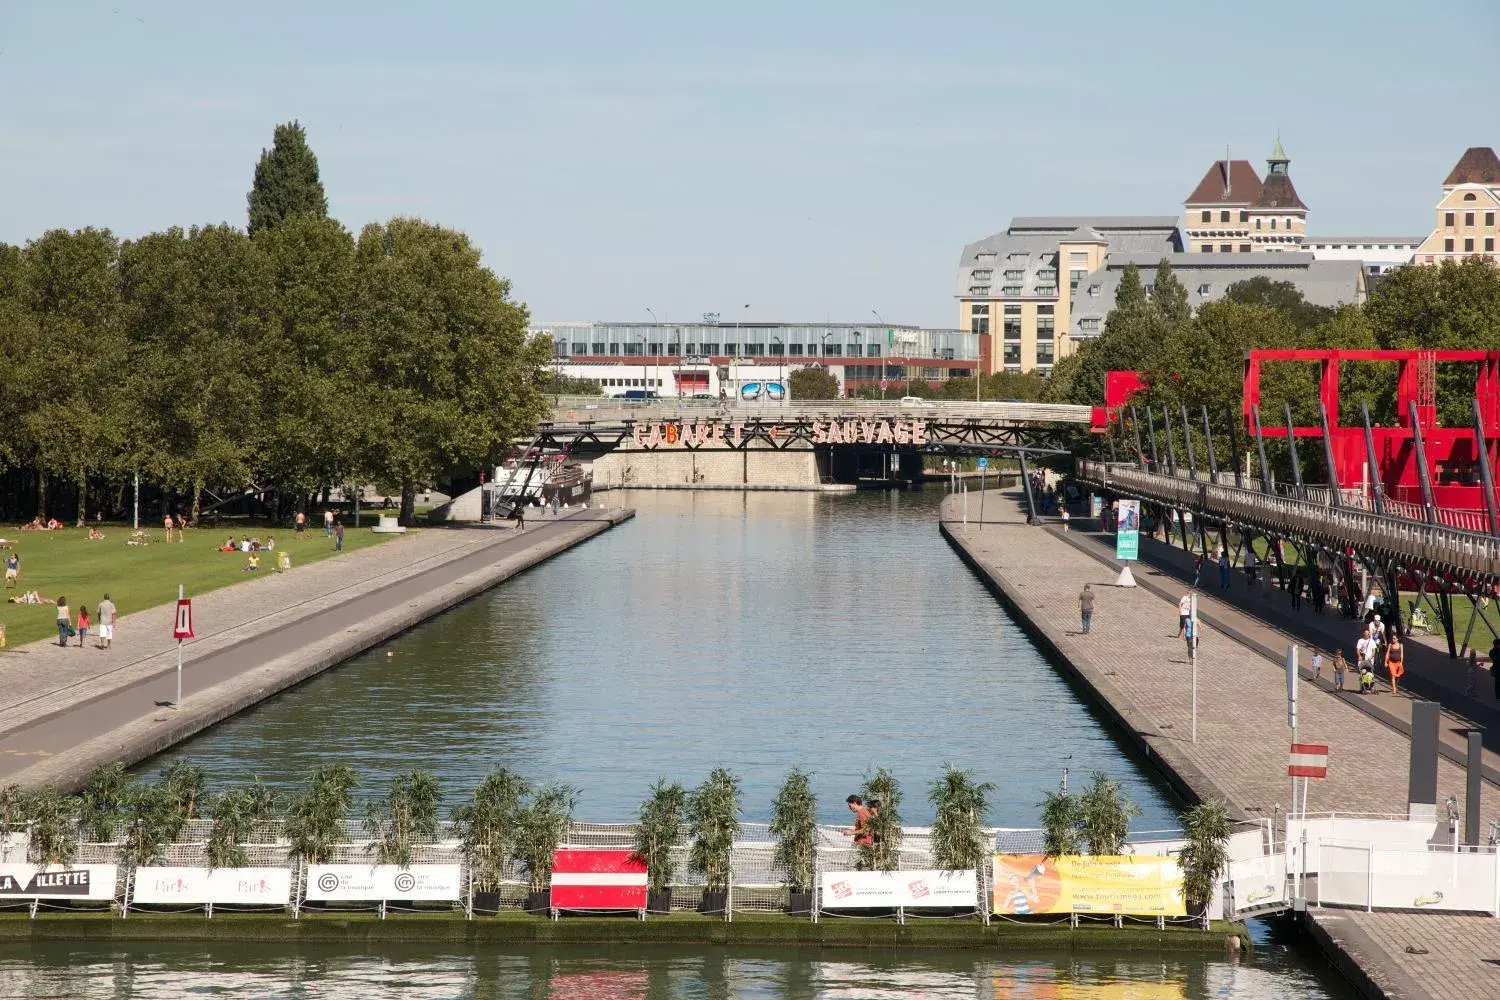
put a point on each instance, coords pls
(286, 180)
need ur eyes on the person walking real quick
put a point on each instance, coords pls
(1472, 688)
(1223, 570)
(1317, 664)
(338, 535)
(1394, 656)
(328, 523)
(167, 522)
(1339, 667)
(1250, 567)
(1184, 613)
(1296, 588)
(83, 625)
(64, 622)
(1086, 609)
(1065, 517)
(1190, 633)
(107, 614)
(1197, 572)
(299, 524)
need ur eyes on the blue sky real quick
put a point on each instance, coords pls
(813, 160)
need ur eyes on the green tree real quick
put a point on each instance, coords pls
(1133, 334)
(102, 801)
(542, 824)
(713, 815)
(1105, 814)
(286, 180)
(451, 375)
(487, 826)
(1062, 821)
(794, 817)
(1205, 857)
(1170, 297)
(813, 382)
(1282, 296)
(960, 804)
(315, 820)
(658, 828)
(883, 853)
(406, 816)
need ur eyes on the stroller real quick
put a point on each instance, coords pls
(1366, 679)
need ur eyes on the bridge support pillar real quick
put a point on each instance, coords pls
(1421, 782)
(910, 465)
(1031, 517)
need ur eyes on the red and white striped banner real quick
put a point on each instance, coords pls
(598, 880)
(1308, 760)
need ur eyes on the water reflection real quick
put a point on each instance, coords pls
(641, 973)
(755, 631)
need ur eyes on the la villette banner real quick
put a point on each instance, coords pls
(58, 882)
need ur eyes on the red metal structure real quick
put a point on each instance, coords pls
(1451, 452)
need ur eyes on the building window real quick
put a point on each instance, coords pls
(1013, 309)
(1012, 354)
(982, 274)
(1046, 289)
(980, 309)
(1470, 197)
(710, 348)
(1090, 324)
(1489, 244)
(579, 347)
(1244, 248)
(1257, 223)
(1044, 349)
(1226, 248)
(1448, 220)
(1273, 225)
(1204, 288)
(977, 324)
(985, 255)
(1224, 216)
(1045, 326)
(931, 374)
(777, 349)
(1078, 256)
(1468, 246)
(754, 350)
(873, 350)
(1046, 310)
(1244, 217)
(1489, 219)
(731, 349)
(1447, 246)
(1010, 290)
(1468, 218)
(674, 349)
(1047, 275)
(614, 349)
(1074, 277)
(1208, 216)
(795, 350)
(1015, 274)
(833, 350)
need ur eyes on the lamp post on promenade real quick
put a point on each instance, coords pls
(655, 361)
(780, 364)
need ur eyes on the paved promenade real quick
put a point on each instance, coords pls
(65, 711)
(1134, 664)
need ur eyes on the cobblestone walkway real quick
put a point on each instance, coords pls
(1241, 749)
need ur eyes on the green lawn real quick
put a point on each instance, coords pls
(66, 563)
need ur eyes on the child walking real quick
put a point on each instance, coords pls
(83, 624)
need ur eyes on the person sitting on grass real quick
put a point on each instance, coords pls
(30, 597)
(34, 525)
(252, 562)
(229, 545)
(95, 534)
(270, 544)
(53, 524)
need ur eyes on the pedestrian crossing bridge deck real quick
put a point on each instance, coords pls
(1452, 555)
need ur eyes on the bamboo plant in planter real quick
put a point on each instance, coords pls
(961, 803)
(1105, 815)
(656, 833)
(713, 811)
(51, 816)
(407, 816)
(1205, 856)
(542, 824)
(315, 819)
(487, 826)
(238, 815)
(882, 795)
(1062, 819)
(794, 823)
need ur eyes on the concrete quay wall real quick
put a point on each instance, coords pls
(723, 468)
(261, 663)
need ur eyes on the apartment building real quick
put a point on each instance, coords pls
(1015, 288)
(1467, 211)
(1233, 211)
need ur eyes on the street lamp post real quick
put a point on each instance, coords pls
(780, 365)
(654, 373)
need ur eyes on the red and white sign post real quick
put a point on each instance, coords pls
(182, 628)
(598, 880)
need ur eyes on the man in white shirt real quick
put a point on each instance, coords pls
(1184, 612)
(106, 622)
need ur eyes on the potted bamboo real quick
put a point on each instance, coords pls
(102, 800)
(657, 831)
(315, 818)
(542, 825)
(1105, 815)
(238, 815)
(961, 803)
(487, 827)
(407, 816)
(713, 811)
(1062, 821)
(52, 817)
(1205, 856)
(882, 795)
(794, 823)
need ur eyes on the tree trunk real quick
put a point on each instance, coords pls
(408, 500)
(41, 495)
(197, 507)
(83, 496)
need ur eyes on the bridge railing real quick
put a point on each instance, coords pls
(602, 409)
(1417, 541)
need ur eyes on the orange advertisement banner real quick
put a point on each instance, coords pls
(1143, 886)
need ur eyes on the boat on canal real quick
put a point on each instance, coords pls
(534, 477)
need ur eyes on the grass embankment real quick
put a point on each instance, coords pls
(65, 563)
(518, 928)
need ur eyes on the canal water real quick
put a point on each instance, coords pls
(751, 631)
(754, 632)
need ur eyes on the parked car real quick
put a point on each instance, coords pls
(916, 401)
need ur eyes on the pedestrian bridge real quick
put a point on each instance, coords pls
(1459, 556)
(599, 411)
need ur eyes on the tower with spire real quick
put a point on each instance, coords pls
(1278, 217)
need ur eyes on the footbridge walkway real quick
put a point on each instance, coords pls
(1451, 556)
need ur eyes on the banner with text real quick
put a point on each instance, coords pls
(919, 887)
(197, 886)
(1128, 530)
(1034, 883)
(58, 881)
(435, 883)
